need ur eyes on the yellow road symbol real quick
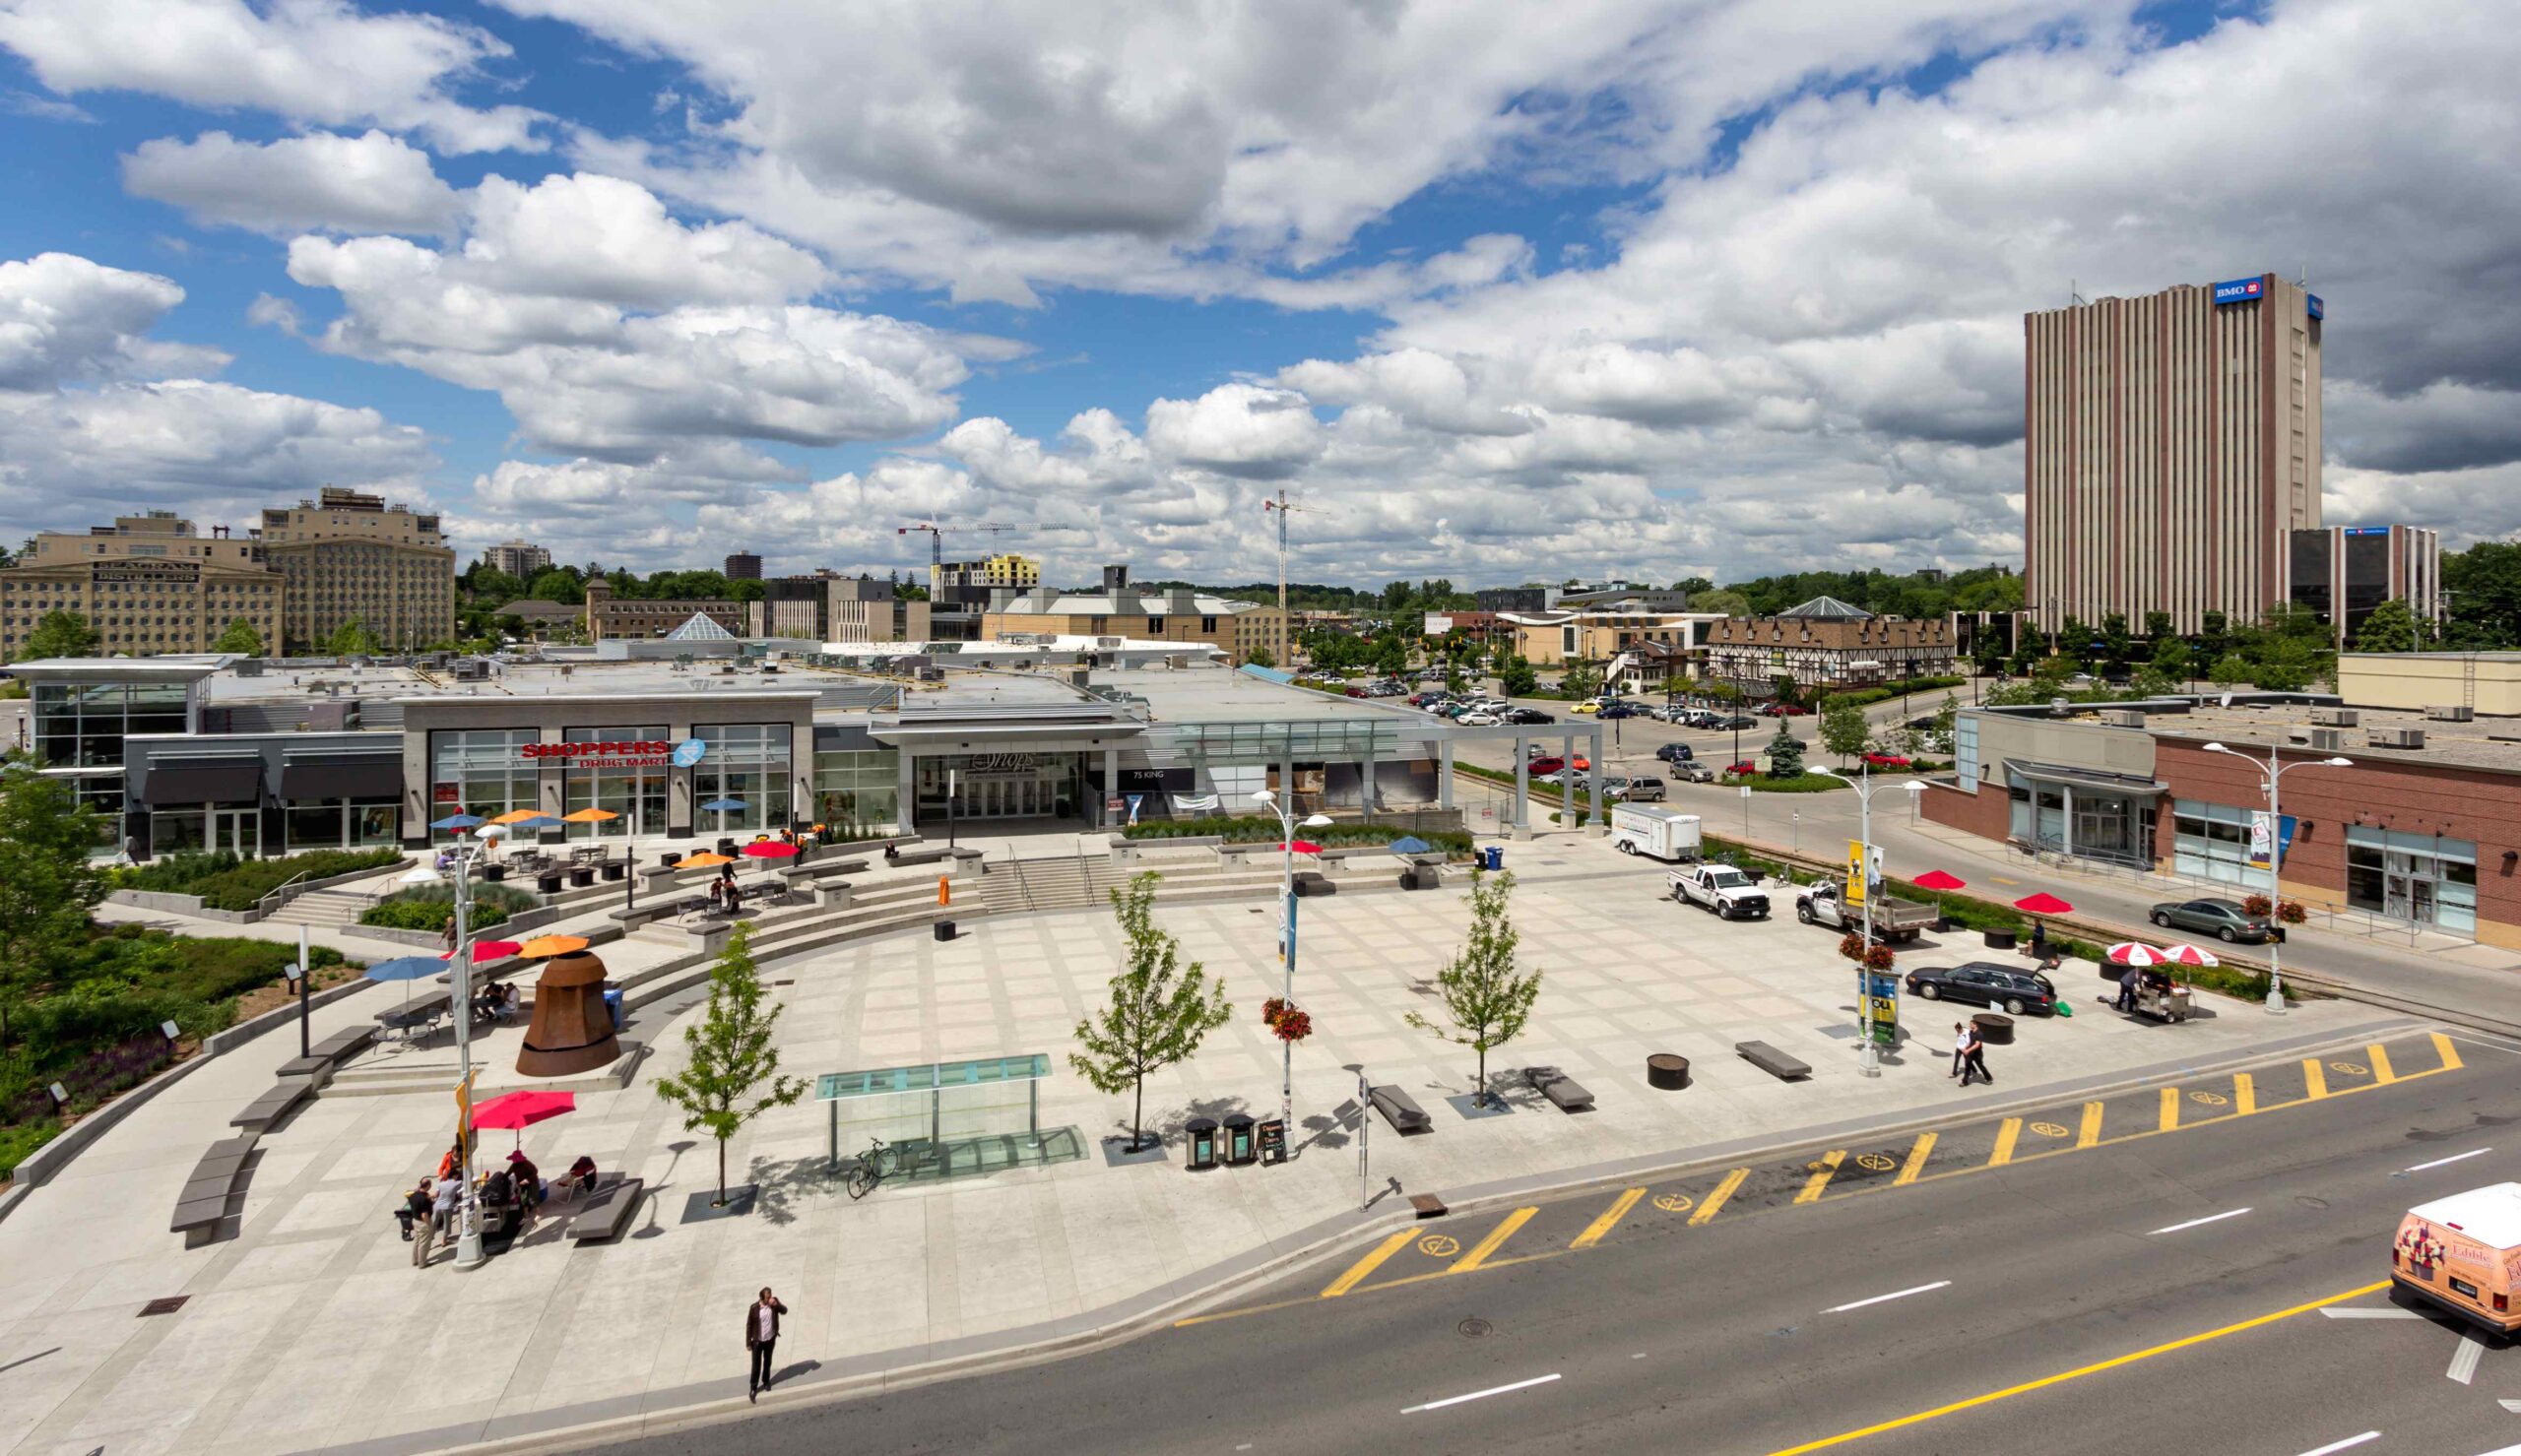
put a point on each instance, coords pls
(2350, 1068)
(1876, 1162)
(1439, 1245)
(2210, 1098)
(2047, 1129)
(1672, 1202)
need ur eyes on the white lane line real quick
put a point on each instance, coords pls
(1882, 1299)
(1477, 1395)
(2334, 1312)
(2353, 1441)
(2464, 1361)
(2503, 1451)
(2510, 1407)
(2454, 1158)
(2194, 1222)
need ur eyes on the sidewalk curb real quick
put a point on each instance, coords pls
(657, 1413)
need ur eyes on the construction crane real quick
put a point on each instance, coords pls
(936, 538)
(1286, 631)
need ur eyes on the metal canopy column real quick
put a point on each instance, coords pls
(1367, 791)
(1594, 820)
(1567, 783)
(1445, 772)
(1111, 782)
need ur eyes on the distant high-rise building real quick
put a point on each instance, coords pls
(349, 557)
(521, 560)
(146, 585)
(958, 591)
(744, 566)
(2344, 572)
(2171, 447)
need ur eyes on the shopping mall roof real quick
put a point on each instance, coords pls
(2263, 721)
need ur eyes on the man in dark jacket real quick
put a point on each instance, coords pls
(761, 1333)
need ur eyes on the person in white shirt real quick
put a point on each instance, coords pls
(761, 1333)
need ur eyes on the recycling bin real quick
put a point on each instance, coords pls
(1202, 1133)
(1495, 857)
(1240, 1148)
(613, 1003)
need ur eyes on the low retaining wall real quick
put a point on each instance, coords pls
(176, 903)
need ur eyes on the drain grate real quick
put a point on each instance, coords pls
(167, 1305)
(1474, 1329)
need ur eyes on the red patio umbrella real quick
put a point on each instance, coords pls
(2042, 903)
(487, 950)
(1300, 847)
(2134, 953)
(770, 848)
(1937, 879)
(519, 1110)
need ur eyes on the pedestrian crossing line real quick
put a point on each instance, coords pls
(2314, 1079)
(1609, 1219)
(2380, 1058)
(2244, 1095)
(2089, 1134)
(1715, 1203)
(1822, 1171)
(2443, 1049)
(1917, 1155)
(1496, 1239)
(2171, 1110)
(2006, 1135)
(1373, 1259)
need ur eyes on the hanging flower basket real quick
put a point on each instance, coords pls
(2291, 911)
(2256, 905)
(1878, 957)
(1852, 946)
(1285, 1020)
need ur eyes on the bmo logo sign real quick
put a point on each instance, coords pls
(2239, 290)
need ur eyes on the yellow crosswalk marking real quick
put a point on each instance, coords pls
(2005, 1136)
(1916, 1162)
(1496, 1239)
(1714, 1201)
(1358, 1271)
(1820, 1178)
(2314, 1079)
(1609, 1219)
(2244, 1095)
(2380, 1057)
(2171, 1108)
(2451, 1054)
(2089, 1135)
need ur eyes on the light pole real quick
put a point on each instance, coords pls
(468, 1242)
(1287, 934)
(2269, 774)
(1870, 1063)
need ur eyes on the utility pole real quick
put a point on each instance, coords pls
(1286, 633)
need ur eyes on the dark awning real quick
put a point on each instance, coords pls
(341, 776)
(238, 781)
(2098, 780)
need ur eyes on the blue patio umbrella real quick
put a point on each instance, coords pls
(725, 804)
(1410, 844)
(459, 821)
(405, 968)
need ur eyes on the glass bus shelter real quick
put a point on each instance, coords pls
(963, 1112)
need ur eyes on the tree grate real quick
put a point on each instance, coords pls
(167, 1305)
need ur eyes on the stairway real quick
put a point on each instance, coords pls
(1068, 882)
(329, 907)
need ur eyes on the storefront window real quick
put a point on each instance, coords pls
(339, 823)
(173, 831)
(481, 770)
(2211, 841)
(748, 764)
(2416, 878)
(857, 789)
(636, 796)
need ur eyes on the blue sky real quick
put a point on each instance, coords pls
(1666, 288)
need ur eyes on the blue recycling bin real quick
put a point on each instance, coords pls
(1496, 857)
(613, 1003)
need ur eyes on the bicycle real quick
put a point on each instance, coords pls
(870, 1169)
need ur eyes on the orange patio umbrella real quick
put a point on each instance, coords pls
(552, 945)
(518, 816)
(589, 816)
(704, 860)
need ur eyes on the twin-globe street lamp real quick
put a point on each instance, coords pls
(2269, 774)
(469, 1254)
(1870, 1063)
(1287, 826)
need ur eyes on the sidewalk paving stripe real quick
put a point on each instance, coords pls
(1820, 1177)
(2244, 1095)
(2005, 1136)
(2380, 1055)
(2443, 1049)
(1715, 1203)
(2089, 1135)
(1358, 1271)
(1916, 1162)
(1496, 1239)
(2314, 1079)
(1609, 1219)
(2171, 1110)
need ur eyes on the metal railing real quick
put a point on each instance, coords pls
(279, 895)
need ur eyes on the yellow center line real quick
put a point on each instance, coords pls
(1358, 1271)
(1497, 1236)
(2171, 1108)
(2245, 1094)
(2443, 1049)
(1707, 1210)
(2380, 1063)
(2005, 1136)
(1916, 1162)
(2042, 1383)
(2314, 1079)
(1609, 1219)
(1820, 1177)
(2091, 1133)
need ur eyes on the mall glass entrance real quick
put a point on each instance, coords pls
(1000, 785)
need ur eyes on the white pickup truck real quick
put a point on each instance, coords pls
(1896, 921)
(1731, 894)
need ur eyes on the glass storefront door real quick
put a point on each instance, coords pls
(2413, 877)
(238, 831)
(745, 764)
(998, 785)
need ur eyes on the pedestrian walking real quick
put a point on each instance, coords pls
(1974, 1062)
(761, 1336)
(1960, 1047)
(446, 934)
(423, 1210)
(445, 1208)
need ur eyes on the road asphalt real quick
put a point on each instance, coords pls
(2145, 1275)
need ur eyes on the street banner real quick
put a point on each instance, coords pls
(1136, 799)
(1855, 894)
(1882, 1007)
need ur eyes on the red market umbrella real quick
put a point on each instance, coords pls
(2189, 955)
(1937, 879)
(487, 950)
(1300, 847)
(518, 1110)
(770, 848)
(2134, 953)
(2042, 903)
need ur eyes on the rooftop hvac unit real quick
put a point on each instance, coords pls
(2334, 716)
(2322, 739)
(2397, 738)
(2451, 713)
(2123, 717)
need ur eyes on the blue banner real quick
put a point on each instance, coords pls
(2320, 310)
(2241, 290)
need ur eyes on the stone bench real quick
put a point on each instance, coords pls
(329, 1053)
(204, 1201)
(272, 1105)
(607, 1211)
(1564, 1092)
(1401, 1110)
(1772, 1061)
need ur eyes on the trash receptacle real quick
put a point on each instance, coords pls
(613, 1003)
(945, 929)
(581, 876)
(1204, 1143)
(1239, 1141)
(1495, 858)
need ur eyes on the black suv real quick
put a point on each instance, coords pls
(1675, 753)
(2016, 992)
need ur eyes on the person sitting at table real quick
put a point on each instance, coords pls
(734, 898)
(529, 1181)
(581, 1179)
(717, 894)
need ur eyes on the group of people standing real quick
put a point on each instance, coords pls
(430, 1212)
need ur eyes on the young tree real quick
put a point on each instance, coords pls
(1785, 754)
(731, 1056)
(1485, 997)
(351, 639)
(1948, 716)
(2229, 669)
(2388, 627)
(61, 634)
(1159, 1013)
(240, 638)
(47, 882)
(1262, 656)
(1843, 730)
(1517, 679)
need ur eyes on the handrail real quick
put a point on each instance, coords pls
(1023, 891)
(263, 906)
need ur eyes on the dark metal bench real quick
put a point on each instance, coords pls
(1401, 1110)
(1563, 1091)
(204, 1201)
(1772, 1061)
(272, 1105)
(607, 1211)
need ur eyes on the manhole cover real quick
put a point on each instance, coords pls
(1474, 1329)
(167, 1305)
(2307, 1201)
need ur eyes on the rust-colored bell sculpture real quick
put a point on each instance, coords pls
(572, 1029)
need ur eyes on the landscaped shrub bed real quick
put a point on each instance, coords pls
(427, 906)
(226, 882)
(1258, 828)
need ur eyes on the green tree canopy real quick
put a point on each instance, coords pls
(2388, 627)
(47, 881)
(1158, 1013)
(1844, 731)
(1785, 754)
(351, 639)
(1517, 679)
(1487, 998)
(559, 584)
(239, 637)
(733, 1075)
(61, 634)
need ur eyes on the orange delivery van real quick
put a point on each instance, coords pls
(2464, 1253)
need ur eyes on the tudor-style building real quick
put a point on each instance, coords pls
(1825, 643)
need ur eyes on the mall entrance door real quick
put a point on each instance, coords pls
(237, 831)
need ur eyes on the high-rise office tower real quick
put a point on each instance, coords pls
(349, 557)
(743, 566)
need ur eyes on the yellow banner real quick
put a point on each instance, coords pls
(1855, 873)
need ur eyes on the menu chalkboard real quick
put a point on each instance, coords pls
(1273, 1141)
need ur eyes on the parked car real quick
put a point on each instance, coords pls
(1546, 765)
(1480, 718)
(1743, 770)
(1886, 761)
(1693, 772)
(1675, 753)
(1528, 716)
(1617, 709)
(1588, 706)
(1644, 789)
(1985, 983)
(1737, 720)
(1788, 710)
(2224, 920)
(1356, 692)
(1722, 888)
